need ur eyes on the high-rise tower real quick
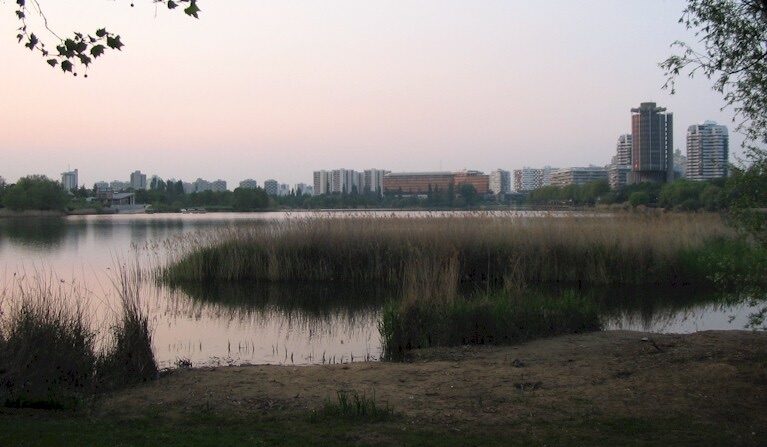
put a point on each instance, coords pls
(707, 151)
(652, 135)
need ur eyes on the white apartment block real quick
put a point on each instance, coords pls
(249, 184)
(707, 151)
(137, 180)
(69, 180)
(500, 182)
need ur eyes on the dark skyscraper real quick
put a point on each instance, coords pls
(652, 153)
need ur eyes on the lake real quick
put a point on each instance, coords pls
(277, 323)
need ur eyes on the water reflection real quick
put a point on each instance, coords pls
(291, 323)
(40, 234)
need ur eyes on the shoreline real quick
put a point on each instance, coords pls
(601, 388)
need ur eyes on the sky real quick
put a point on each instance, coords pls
(277, 89)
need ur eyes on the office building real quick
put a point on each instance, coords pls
(249, 184)
(69, 180)
(707, 151)
(500, 182)
(652, 139)
(578, 176)
(527, 179)
(271, 187)
(480, 181)
(302, 189)
(137, 180)
(417, 182)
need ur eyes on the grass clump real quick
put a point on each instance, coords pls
(432, 314)
(350, 404)
(52, 357)
(47, 350)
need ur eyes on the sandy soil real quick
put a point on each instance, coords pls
(708, 376)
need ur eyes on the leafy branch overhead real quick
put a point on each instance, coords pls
(732, 51)
(81, 49)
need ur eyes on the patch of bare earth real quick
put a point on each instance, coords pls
(708, 376)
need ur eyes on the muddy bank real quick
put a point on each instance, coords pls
(709, 377)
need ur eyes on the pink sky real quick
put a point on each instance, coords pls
(257, 89)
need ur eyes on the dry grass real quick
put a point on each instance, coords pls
(497, 249)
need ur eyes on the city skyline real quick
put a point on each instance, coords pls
(426, 89)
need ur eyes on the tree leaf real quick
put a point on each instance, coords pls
(97, 50)
(192, 10)
(66, 66)
(52, 62)
(101, 32)
(114, 42)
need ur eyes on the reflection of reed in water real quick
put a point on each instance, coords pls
(314, 307)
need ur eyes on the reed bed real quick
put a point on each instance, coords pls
(51, 353)
(432, 313)
(493, 250)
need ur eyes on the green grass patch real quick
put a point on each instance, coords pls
(495, 318)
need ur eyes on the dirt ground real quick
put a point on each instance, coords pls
(708, 376)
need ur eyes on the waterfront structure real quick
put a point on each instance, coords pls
(218, 185)
(527, 179)
(652, 138)
(321, 182)
(137, 180)
(271, 187)
(578, 176)
(500, 182)
(69, 180)
(249, 184)
(707, 151)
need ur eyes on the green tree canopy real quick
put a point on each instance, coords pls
(35, 192)
(732, 51)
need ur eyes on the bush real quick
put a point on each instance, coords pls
(639, 198)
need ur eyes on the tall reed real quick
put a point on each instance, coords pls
(492, 250)
(52, 355)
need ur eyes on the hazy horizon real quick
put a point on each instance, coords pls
(261, 91)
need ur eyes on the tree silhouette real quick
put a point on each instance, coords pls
(80, 49)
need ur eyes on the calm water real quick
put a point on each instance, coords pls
(279, 324)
